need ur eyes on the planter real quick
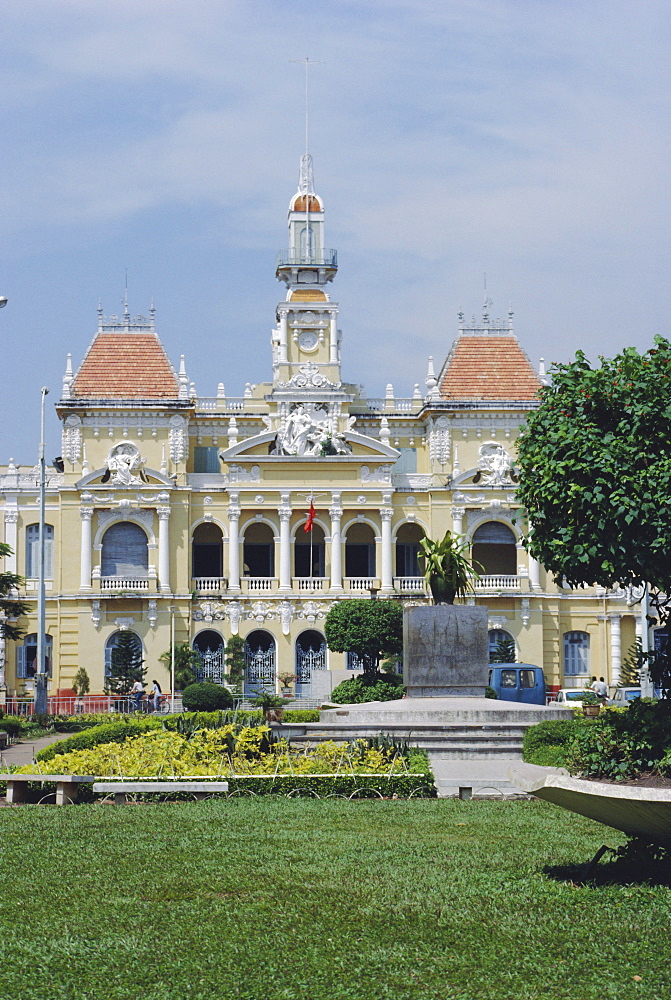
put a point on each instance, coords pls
(441, 591)
(273, 714)
(591, 711)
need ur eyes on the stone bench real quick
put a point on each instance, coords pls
(120, 788)
(67, 786)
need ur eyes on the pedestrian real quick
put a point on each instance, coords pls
(137, 691)
(155, 696)
(601, 689)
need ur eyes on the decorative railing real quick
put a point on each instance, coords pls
(317, 258)
(402, 405)
(310, 582)
(224, 403)
(123, 583)
(362, 583)
(409, 584)
(259, 583)
(209, 584)
(91, 703)
(498, 583)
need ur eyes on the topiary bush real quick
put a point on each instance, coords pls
(10, 725)
(205, 696)
(110, 732)
(548, 743)
(363, 688)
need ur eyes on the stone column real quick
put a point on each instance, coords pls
(615, 649)
(11, 517)
(333, 338)
(284, 332)
(534, 573)
(284, 511)
(386, 578)
(86, 514)
(336, 549)
(233, 544)
(458, 521)
(163, 549)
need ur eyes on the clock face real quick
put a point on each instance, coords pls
(308, 340)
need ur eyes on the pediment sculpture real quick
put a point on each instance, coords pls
(495, 465)
(124, 466)
(309, 430)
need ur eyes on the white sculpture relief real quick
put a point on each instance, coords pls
(177, 438)
(125, 511)
(152, 613)
(497, 621)
(382, 474)
(310, 429)
(525, 612)
(208, 611)
(309, 377)
(261, 611)
(311, 610)
(286, 612)
(495, 465)
(240, 475)
(96, 613)
(439, 440)
(122, 463)
(124, 623)
(468, 497)
(71, 443)
(234, 612)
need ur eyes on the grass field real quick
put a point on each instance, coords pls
(279, 899)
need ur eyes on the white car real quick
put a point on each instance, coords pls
(622, 696)
(569, 698)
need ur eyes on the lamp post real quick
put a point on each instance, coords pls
(40, 705)
(172, 661)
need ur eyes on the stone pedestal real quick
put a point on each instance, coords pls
(445, 651)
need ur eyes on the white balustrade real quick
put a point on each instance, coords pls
(310, 582)
(209, 584)
(361, 583)
(498, 583)
(123, 583)
(409, 584)
(257, 583)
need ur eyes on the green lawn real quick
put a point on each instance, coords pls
(276, 899)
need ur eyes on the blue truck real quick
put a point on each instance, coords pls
(518, 682)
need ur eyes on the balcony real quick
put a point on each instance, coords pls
(122, 583)
(310, 583)
(495, 583)
(358, 584)
(316, 258)
(209, 584)
(259, 584)
(409, 584)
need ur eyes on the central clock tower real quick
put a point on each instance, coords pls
(306, 341)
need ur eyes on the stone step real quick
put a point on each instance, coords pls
(481, 777)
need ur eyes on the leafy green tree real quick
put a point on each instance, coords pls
(11, 607)
(126, 665)
(187, 661)
(235, 662)
(81, 685)
(630, 671)
(371, 629)
(595, 476)
(504, 651)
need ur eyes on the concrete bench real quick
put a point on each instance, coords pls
(200, 789)
(67, 786)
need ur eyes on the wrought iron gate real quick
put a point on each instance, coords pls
(259, 668)
(308, 660)
(212, 666)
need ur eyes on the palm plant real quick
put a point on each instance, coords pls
(447, 570)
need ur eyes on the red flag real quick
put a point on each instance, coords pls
(311, 517)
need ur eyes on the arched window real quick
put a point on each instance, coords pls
(360, 551)
(206, 551)
(112, 644)
(26, 656)
(408, 551)
(309, 552)
(124, 551)
(259, 550)
(576, 654)
(33, 551)
(502, 647)
(210, 647)
(494, 550)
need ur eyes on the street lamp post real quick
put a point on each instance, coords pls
(172, 661)
(40, 704)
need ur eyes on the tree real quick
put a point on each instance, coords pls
(11, 607)
(235, 662)
(126, 665)
(81, 685)
(448, 571)
(187, 661)
(595, 476)
(504, 651)
(371, 629)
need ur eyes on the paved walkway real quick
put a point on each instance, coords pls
(23, 753)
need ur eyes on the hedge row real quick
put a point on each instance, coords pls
(548, 743)
(321, 786)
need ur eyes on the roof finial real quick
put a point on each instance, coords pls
(125, 299)
(306, 180)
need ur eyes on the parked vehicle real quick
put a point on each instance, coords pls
(518, 682)
(622, 696)
(569, 698)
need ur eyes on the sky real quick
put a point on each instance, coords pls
(524, 140)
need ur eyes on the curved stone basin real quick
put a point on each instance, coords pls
(637, 811)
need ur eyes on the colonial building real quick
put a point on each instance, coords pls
(177, 511)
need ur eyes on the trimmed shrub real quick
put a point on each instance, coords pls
(321, 786)
(301, 715)
(111, 732)
(620, 745)
(360, 689)
(206, 697)
(548, 743)
(10, 725)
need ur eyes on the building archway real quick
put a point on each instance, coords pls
(494, 549)
(501, 643)
(259, 550)
(408, 552)
(309, 558)
(207, 551)
(211, 649)
(125, 552)
(360, 551)
(260, 655)
(310, 655)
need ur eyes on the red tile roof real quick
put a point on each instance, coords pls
(488, 368)
(125, 366)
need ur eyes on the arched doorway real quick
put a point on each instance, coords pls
(495, 550)
(125, 554)
(206, 552)
(210, 647)
(259, 661)
(310, 655)
(408, 555)
(309, 560)
(360, 552)
(259, 551)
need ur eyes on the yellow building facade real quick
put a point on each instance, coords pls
(181, 513)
